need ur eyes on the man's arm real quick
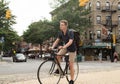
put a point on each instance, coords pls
(55, 43)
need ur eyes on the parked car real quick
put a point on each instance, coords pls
(6, 54)
(33, 53)
(19, 57)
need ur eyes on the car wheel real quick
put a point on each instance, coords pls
(14, 60)
(25, 60)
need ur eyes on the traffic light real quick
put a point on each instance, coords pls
(8, 14)
(83, 2)
(114, 39)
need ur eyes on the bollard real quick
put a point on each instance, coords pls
(1, 55)
(83, 58)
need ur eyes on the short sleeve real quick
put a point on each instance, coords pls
(71, 35)
(59, 35)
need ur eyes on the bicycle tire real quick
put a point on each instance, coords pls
(76, 68)
(45, 73)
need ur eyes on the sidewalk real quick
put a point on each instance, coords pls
(102, 77)
(2, 62)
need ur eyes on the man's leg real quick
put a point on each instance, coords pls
(61, 52)
(71, 70)
(72, 56)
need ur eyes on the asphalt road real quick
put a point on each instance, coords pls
(10, 67)
(32, 65)
(22, 71)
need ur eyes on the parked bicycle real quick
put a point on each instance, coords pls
(48, 66)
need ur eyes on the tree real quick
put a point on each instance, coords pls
(56, 3)
(67, 9)
(76, 16)
(6, 30)
(10, 36)
(4, 22)
(39, 32)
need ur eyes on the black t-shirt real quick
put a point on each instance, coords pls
(65, 38)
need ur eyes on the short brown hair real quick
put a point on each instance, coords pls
(64, 21)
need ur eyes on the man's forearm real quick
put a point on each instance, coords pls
(55, 43)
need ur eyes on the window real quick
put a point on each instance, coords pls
(90, 35)
(118, 5)
(90, 5)
(98, 19)
(107, 5)
(98, 34)
(119, 20)
(98, 5)
(108, 17)
(108, 20)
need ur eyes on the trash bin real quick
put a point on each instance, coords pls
(79, 58)
(83, 58)
(1, 54)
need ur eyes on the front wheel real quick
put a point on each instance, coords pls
(45, 73)
(76, 72)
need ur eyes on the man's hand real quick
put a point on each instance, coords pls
(64, 47)
(60, 47)
(51, 48)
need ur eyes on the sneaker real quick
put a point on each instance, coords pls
(71, 82)
(56, 71)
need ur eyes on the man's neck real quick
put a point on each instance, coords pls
(64, 31)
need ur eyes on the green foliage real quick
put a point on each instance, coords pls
(5, 28)
(65, 9)
(5, 23)
(56, 3)
(10, 36)
(76, 16)
(39, 32)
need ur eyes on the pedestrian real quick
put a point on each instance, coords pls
(68, 46)
(115, 56)
(100, 56)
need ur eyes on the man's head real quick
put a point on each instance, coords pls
(63, 24)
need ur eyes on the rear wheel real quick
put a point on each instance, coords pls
(76, 72)
(45, 73)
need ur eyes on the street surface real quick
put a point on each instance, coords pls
(23, 71)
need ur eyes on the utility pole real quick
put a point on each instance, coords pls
(111, 31)
(2, 41)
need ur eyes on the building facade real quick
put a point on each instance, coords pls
(102, 12)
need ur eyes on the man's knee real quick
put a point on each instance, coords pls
(71, 64)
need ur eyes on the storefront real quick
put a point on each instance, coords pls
(91, 52)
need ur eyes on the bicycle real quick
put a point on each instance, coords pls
(48, 66)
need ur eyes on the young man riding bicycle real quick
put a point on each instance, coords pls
(69, 46)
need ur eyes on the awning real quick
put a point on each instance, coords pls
(89, 46)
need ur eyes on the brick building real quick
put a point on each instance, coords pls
(101, 18)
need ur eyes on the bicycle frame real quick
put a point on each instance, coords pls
(63, 68)
(62, 72)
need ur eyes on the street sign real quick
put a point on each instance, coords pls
(2, 39)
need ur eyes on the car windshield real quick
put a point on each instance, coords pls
(19, 55)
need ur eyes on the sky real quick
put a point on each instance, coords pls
(28, 11)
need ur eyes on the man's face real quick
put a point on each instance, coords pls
(62, 26)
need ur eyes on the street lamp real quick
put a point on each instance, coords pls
(8, 14)
(83, 2)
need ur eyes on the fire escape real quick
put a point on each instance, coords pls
(109, 22)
